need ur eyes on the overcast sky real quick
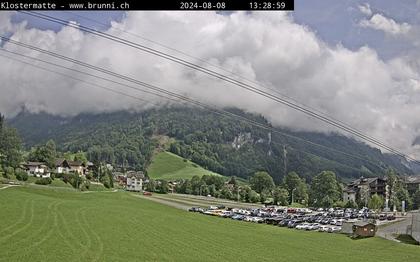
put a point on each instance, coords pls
(357, 61)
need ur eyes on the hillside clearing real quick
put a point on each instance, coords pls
(168, 166)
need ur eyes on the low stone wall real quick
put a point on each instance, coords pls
(415, 227)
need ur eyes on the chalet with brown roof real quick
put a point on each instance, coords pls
(37, 169)
(67, 166)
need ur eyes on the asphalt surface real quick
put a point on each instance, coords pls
(392, 230)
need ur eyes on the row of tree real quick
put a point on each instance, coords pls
(323, 191)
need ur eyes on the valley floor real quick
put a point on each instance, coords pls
(51, 224)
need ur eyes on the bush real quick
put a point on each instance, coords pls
(9, 172)
(85, 185)
(89, 176)
(43, 181)
(21, 175)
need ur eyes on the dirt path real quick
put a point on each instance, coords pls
(1, 188)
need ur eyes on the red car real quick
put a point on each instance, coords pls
(145, 193)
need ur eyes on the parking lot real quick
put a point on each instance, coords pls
(323, 220)
(328, 220)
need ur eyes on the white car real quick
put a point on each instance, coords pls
(334, 229)
(302, 226)
(248, 219)
(323, 229)
(313, 226)
(257, 219)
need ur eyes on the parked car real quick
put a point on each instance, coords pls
(293, 223)
(248, 219)
(334, 229)
(323, 229)
(258, 219)
(238, 217)
(284, 222)
(390, 217)
(302, 226)
(314, 226)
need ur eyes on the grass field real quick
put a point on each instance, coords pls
(169, 166)
(53, 224)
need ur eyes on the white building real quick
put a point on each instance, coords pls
(37, 169)
(134, 181)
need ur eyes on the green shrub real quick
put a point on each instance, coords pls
(43, 181)
(21, 175)
(9, 172)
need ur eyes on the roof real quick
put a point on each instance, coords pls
(60, 162)
(75, 163)
(35, 164)
(136, 174)
(365, 180)
(363, 223)
(349, 190)
(412, 179)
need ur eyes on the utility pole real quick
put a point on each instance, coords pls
(293, 190)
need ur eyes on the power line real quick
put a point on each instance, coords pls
(217, 75)
(212, 109)
(208, 63)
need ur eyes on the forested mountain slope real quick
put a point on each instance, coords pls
(225, 146)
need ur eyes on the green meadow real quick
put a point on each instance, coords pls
(168, 166)
(54, 224)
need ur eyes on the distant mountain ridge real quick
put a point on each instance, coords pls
(220, 144)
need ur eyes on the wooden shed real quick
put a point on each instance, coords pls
(364, 229)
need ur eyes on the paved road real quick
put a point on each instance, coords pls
(393, 229)
(165, 202)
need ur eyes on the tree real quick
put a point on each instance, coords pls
(162, 187)
(45, 153)
(232, 181)
(261, 181)
(151, 185)
(253, 196)
(416, 200)
(21, 175)
(8, 172)
(350, 204)
(401, 194)
(296, 187)
(281, 196)
(376, 202)
(226, 193)
(80, 157)
(325, 190)
(10, 146)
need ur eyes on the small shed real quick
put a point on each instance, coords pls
(364, 229)
(347, 227)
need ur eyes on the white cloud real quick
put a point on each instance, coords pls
(375, 96)
(385, 24)
(365, 9)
